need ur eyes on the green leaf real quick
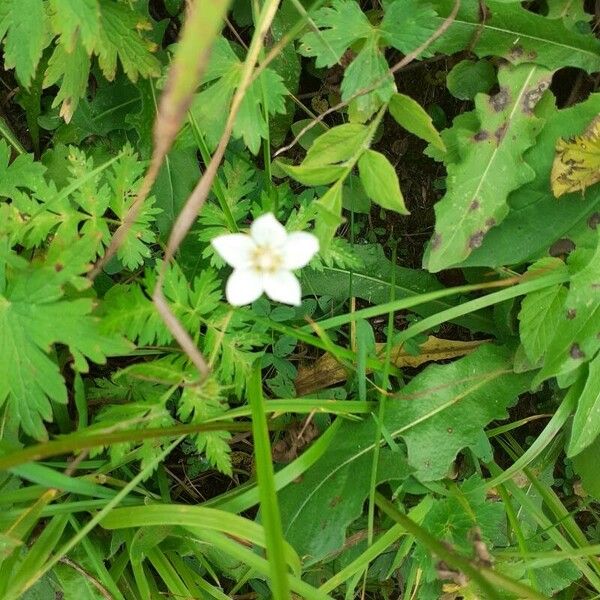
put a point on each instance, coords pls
(22, 174)
(576, 337)
(368, 70)
(71, 69)
(586, 423)
(572, 14)
(514, 33)
(540, 314)
(325, 160)
(523, 235)
(199, 403)
(407, 24)
(25, 27)
(72, 19)
(371, 282)
(316, 511)
(445, 408)
(478, 186)
(413, 117)
(380, 181)
(121, 36)
(211, 106)
(35, 315)
(469, 78)
(339, 27)
(586, 466)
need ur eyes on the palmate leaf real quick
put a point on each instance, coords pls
(112, 31)
(35, 314)
(536, 220)
(492, 166)
(211, 106)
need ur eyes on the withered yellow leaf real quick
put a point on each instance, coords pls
(327, 371)
(577, 161)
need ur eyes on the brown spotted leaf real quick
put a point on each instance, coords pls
(577, 336)
(491, 166)
(328, 371)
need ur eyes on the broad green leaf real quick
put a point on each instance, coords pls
(329, 215)
(337, 145)
(372, 281)
(380, 181)
(576, 337)
(540, 314)
(307, 139)
(571, 12)
(445, 408)
(406, 24)
(469, 78)
(368, 70)
(25, 27)
(316, 511)
(586, 423)
(313, 174)
(524, 234)
(586, 466)
(413, 117)
(514, 33)
(478, 186)
(35, 315)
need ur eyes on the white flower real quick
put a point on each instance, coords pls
(264, 260)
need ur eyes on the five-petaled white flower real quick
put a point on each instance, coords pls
(264, 260)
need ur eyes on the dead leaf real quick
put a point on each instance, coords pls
(327, 371)
(296, 438)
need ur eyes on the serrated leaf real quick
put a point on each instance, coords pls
(339, 27)
(71, 69)
(122, 36)
(524, 235)
(22, 174)
(478, 186)
(35, 315)
(25, 27)
(211, 106)
(586, 422)
(576, 165)
(316, 511)
(540, 314)
(196, 405)
(445, 408)
(409, 114)
(72, 19)
(380, 181)
(576, 337)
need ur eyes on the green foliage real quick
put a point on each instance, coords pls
(134, 435)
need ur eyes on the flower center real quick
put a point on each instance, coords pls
(265, 259)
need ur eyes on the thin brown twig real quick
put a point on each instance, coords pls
(367, 90)
(73, 565)
(188, 214)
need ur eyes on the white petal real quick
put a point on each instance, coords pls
(299, 248)
(243, 287)
(283, 286)
(268, 231)
(234, 248)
